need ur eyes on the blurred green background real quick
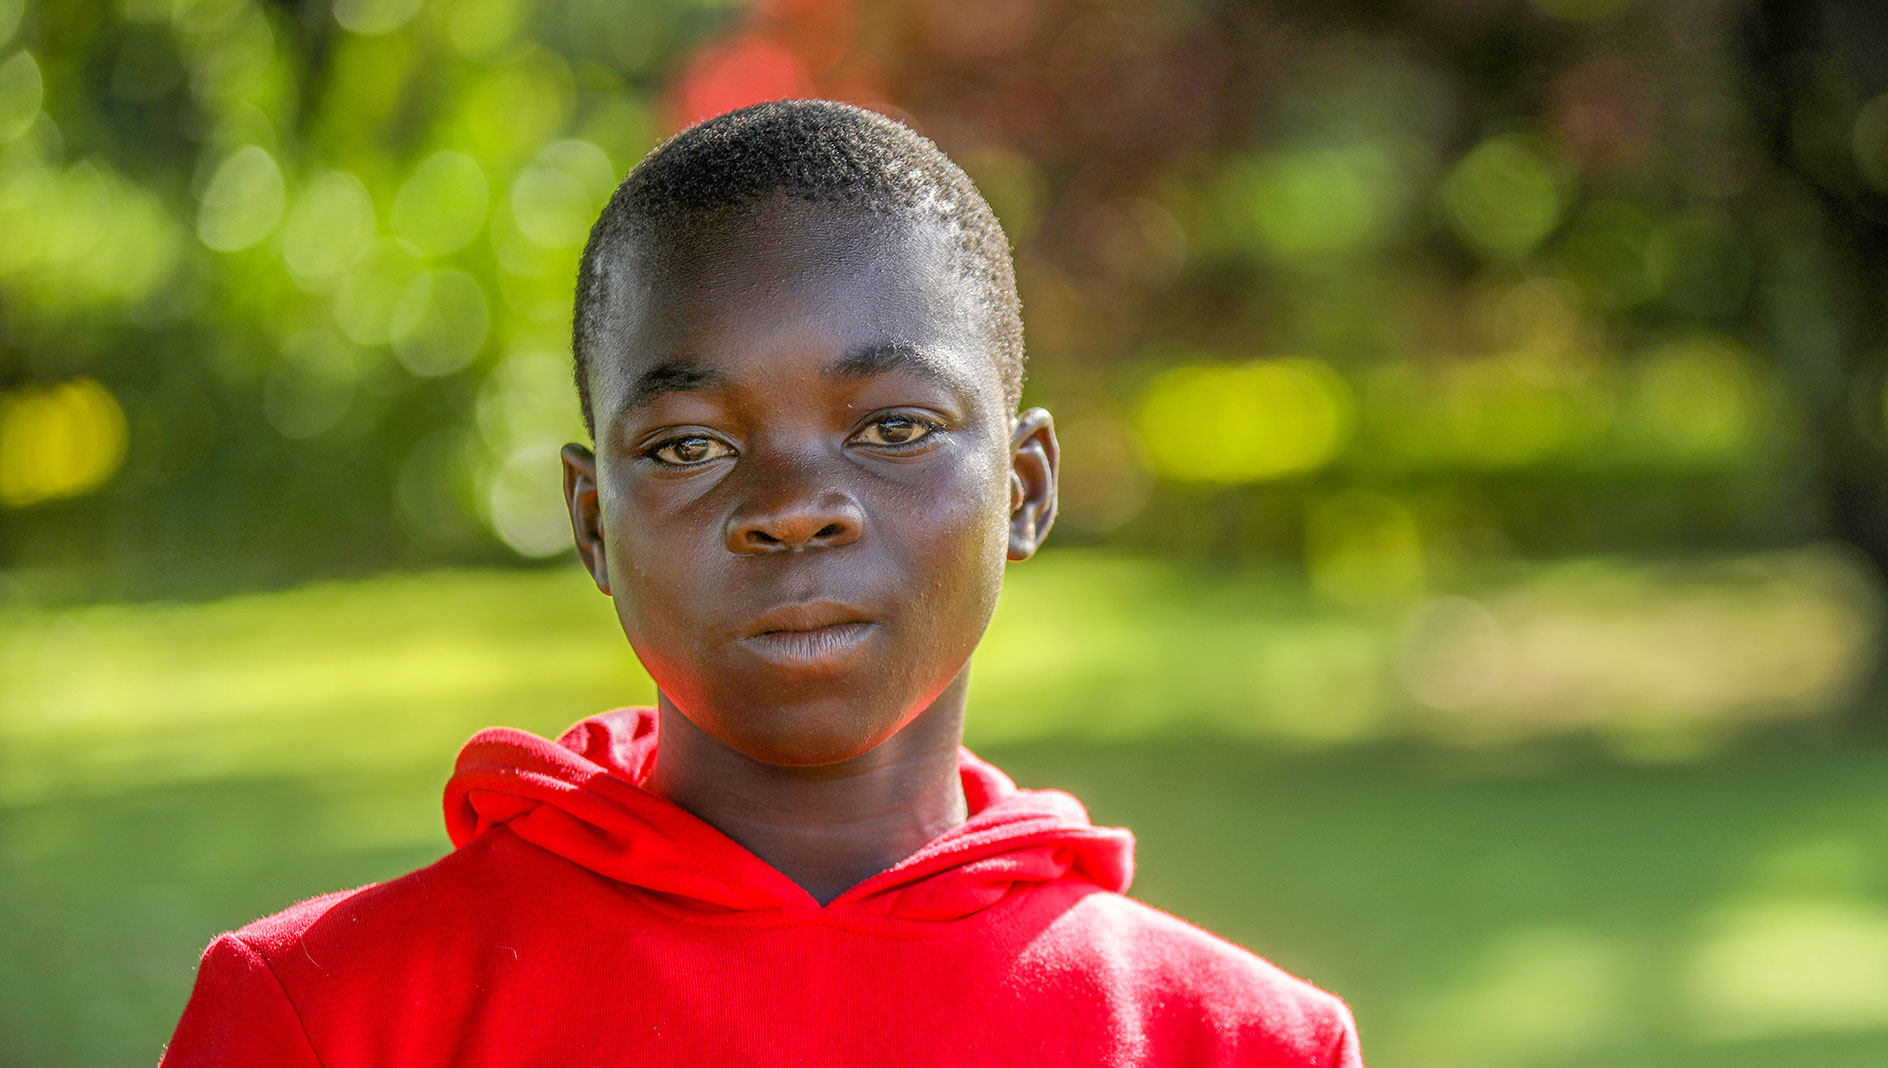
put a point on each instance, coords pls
(1469, 583)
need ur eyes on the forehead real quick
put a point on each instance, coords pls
(740, 290)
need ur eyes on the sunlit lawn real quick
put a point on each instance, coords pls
(1580, 815)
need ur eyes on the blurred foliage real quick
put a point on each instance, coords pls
(284, 287)
(1643, 660)
(1538, 823)
(1379, 300)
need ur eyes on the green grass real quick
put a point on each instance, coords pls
(1512, 830)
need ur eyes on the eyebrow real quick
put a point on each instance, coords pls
(889, 356)
(673, 376)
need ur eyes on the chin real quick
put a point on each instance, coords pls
(803, 736)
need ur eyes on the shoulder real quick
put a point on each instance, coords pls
(467, 902)
(323, 974)
(269, 933)
(1166, 944)
(1186, 976)
(263, 991)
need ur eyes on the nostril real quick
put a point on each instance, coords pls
(793, 529)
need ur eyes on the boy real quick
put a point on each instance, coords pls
(799, 353)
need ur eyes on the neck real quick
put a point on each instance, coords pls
(827, 827)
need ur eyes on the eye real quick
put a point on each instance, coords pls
(894, 430)
(689, 451)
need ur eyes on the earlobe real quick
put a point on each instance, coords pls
(586, 512)
(1034, 462)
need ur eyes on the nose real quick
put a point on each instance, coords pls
(794, 519)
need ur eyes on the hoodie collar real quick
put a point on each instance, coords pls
(581, 798)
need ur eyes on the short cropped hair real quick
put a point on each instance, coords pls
(812, 150)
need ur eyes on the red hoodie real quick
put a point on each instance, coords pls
(582, 920)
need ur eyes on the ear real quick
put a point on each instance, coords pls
(586, 511)
(1034, 461)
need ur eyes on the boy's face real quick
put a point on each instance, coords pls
(806, 479)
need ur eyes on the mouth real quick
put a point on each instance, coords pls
(808, 635)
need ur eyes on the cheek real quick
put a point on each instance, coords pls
(651, 562)
(656, 608)
(959, 551)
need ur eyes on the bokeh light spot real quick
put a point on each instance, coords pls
(365, 299)
(63, 441)
(432, 491)
(524, 501)
(1506, 195)
(300, 404)
(21, 93)
(477, 28)
(621, 126)
(82, 236)
(372, 17)
(1233, 423)
(1452, 654)
(744, 70)
(1540, 316)
(515, 107)
(242, 202)
(1694, 398)
(312, 389)
(1869, 140)
(10, 12)
(1322, 202)
(440, 323)
(528, 397)
(441, 205)
(555, 199)
(330, 228)
(1791, 967)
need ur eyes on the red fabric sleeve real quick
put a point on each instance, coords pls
(1345, 1054)
(238, 1016)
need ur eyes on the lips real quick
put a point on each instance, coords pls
(806, 616)
(809, 634)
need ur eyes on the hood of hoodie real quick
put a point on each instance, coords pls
(581, 798)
